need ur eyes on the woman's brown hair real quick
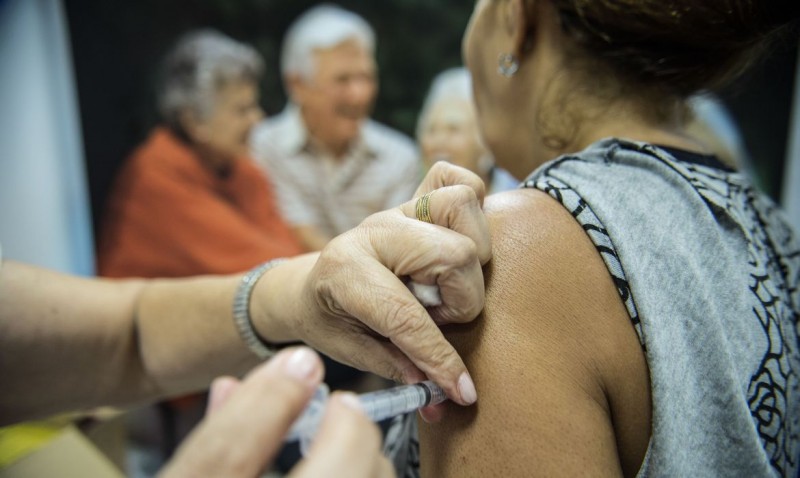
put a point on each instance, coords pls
(677, 46)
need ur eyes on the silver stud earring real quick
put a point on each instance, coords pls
(508, 65)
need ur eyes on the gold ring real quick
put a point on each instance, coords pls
(423, 209)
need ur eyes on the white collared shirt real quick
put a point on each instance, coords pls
(381, 170)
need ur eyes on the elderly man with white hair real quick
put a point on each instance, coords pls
(331, 165)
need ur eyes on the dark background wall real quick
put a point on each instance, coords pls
(761, 103)
(117, 47)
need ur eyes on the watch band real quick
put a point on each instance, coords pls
(241, 310)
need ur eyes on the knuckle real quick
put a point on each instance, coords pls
(472, 187)
(461, 253)
(324, 290)
(440, 354)
(374, 220)
(465, 204)
(406, 320)
(326, 282)
(468, 312)
(441, 168)
(341, 247)
(465, 195)
(466, 297)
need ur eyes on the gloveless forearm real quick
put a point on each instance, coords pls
(65, 342)
(187, 335)
(68, 343)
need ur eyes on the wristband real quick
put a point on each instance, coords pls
(241, 311)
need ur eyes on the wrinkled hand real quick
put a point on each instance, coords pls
(247, 422)
(365, 314)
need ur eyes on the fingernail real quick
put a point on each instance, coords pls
(301, 364)
(350, 400)
(467, 389)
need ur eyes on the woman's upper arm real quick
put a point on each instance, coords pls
(562, 380)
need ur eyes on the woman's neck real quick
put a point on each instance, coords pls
(637, 129)
(617, 121)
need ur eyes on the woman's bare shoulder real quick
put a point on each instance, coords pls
(554, 357)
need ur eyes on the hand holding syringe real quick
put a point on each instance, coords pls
(377, 406)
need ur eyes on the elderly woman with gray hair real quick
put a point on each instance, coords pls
(189, 201)
(447, 130)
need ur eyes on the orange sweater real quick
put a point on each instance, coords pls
(169, 216)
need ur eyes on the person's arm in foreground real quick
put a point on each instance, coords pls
(562, 377)
(70, 343)
(247, 421)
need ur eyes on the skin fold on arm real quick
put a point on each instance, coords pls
(562, 379)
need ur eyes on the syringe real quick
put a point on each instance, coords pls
(377, 406)
(395, 401)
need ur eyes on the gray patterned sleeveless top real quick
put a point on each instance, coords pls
(708, 270)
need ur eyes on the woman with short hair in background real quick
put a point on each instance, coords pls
(447, 130)
(190, 200)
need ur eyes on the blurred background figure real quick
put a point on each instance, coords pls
(713, 125)
(190, 201)
(332, 166)
(447, 130)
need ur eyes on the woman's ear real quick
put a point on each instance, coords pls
(520, 24)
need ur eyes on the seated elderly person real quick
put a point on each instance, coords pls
(189, 201)
(447, 130)
(332, 166)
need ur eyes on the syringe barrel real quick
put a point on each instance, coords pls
(384, 404)
(377, 406)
